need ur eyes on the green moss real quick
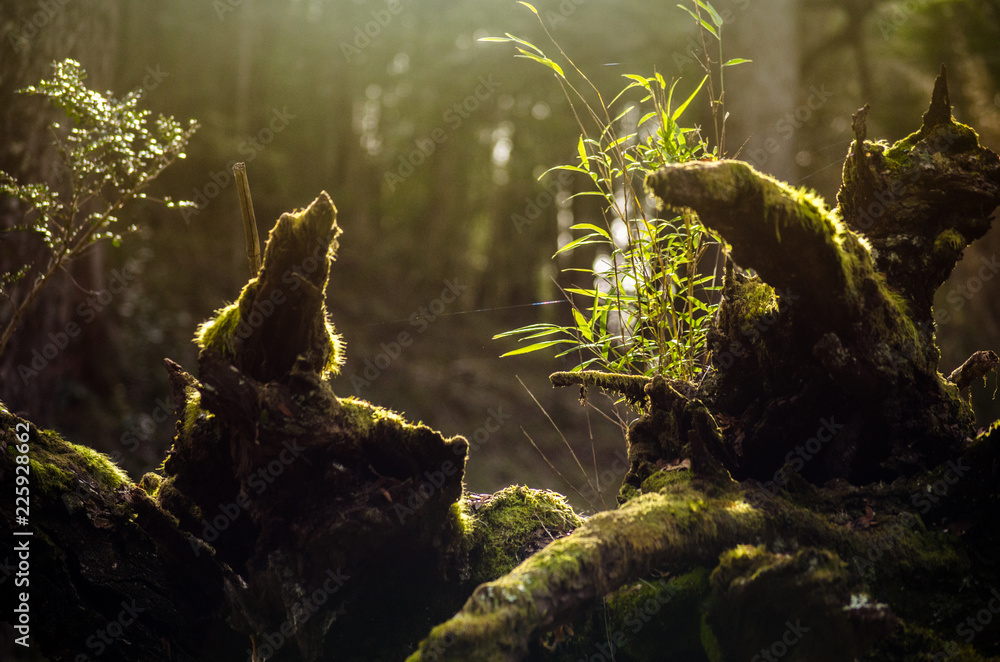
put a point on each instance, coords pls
(902, 154)
(99, 466)
(150, 482)
(219, 333)
(362, 415)
(752, 299)
(709, 642)
(502, 528)
(646, 617)
(662, 479)
(908, 642)
(193, 411)
(55, 464)
(50, 478)
(950, 240)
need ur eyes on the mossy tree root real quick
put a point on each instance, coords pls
(838, 327)
(502, 618)
(690, 522)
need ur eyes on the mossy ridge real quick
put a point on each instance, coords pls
(642, 616)
(57, 464)
(501, 529)
(362, 415)
(630, 387)
(296, 267)
(218, 334)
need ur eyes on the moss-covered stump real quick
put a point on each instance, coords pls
(108, 575)
(822, 492)
(834, 341)
(346, 525)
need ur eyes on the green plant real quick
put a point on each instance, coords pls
(649, 300)
(107, 159)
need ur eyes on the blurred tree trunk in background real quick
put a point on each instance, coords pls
(761, 96)
(33, 36)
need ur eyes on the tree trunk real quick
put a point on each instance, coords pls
(33, 36)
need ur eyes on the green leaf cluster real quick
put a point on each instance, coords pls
(646, 308)
(108, 156)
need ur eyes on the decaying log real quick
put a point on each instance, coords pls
(288, 523)
(839, 324)
(822, 488)
(107, 573)
(825, 368)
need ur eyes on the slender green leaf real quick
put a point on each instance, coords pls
(579, 241)
(537, 346)
(707, 6)
(590, 226)
(701, 21)
(583, 325)
(543, 60)
(681, 108)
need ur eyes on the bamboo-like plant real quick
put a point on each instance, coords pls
(646, 310)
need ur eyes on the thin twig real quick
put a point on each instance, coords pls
(249, 220)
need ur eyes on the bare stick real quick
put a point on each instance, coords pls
(249, 221)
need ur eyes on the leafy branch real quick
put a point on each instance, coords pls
(109, 155)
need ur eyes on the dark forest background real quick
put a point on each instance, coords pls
(349, 96)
